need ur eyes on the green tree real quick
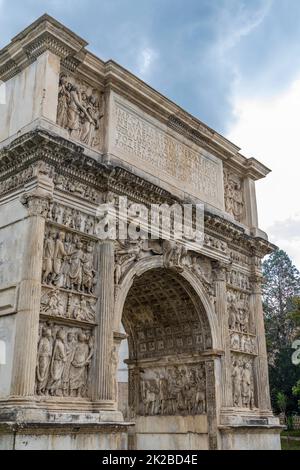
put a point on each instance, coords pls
(295, 314)
(282, 284)
(281, 288)
(281, 400)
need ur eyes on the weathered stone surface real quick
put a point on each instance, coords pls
(75, 134)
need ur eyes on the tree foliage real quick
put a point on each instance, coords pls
(282, 285)
(280, 294)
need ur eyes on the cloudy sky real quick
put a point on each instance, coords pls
(235, 64)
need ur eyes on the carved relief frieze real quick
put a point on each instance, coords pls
(77, 189)
(215, 243)
(80, 110)
(242, 374)
(234, 201)
(173, 390)
(63, 304)
(245, 343)
(69, 261)
(72, 218)
(16, 180)
(64, 358)
(239, 258)
(238, 280)
(238, 307)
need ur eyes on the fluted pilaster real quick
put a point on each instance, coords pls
(27, 318)
(104, 385)
(221, 309)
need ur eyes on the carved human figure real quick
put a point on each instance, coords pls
(59, 255)
(163, 395)
(68, 245)
(150, 391)
(81, 360)
(75, 111)
(235, 341)
(90, 126)
(67, 217)
(57, 364)
(49, 250)
(229, 197)
(238, 205)
(114, 360)
(232, 311)
(236, 383)
(174, 254)
(55, 305)
(246, 385)
(43, 360)
(89, 225)
(57, 213)
(75, 272)
(200, 397)
(88, 272)
(77, 220)
(63, 99)
(70, 350)
(76, 309)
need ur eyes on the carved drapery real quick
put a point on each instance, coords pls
(234, 199)
(80, 110)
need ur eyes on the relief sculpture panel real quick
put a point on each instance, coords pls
(68, 261)
(242, 381)
(234, 200)
(79, 110)
(63, 361)
(173, 390)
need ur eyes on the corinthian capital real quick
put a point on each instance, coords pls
(220, 270)
(36, 202)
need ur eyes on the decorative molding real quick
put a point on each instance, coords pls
(45, 34)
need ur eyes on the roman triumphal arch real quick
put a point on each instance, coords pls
(87, 152)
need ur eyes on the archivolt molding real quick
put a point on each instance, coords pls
(157, 262)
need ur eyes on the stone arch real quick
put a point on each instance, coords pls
(192, 280)
(172, 336)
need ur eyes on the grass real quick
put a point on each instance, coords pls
(295, 433)
(290, 444)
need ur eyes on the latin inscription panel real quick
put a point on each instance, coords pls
(142, 141)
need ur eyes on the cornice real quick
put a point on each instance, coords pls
(70, 160)
(45, 34)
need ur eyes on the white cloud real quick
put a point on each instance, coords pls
(146, 58)
(269, 129)
(236, 21)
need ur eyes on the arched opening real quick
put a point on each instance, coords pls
(170, 365)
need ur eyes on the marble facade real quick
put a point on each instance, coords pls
(77, 132)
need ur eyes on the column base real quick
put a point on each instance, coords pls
(253, 430)
(36, 429)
